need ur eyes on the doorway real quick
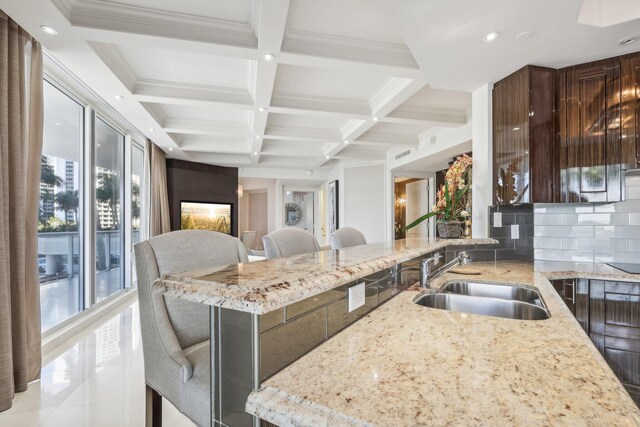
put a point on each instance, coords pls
(411, 197)
(257, 213)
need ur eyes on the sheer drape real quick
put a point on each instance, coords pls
(159, 198)
(21, 124)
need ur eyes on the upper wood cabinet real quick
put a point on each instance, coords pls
(523, 137)
(597, 106)
(631, 110)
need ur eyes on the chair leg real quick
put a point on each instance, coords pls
(153, 402)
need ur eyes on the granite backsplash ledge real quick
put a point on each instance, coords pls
(584, 237)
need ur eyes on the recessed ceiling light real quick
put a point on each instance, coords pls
(489, 37)
(255, 153)
(375, 118)
(49, 30)
(262, 109)
(170, 148)
(525, 35)
(327, 157)
(152, 130)
(57, 123)
(119, 97)
(258, 137)
(268, 56)
(346, 141)
(627, 41)
(515, 128)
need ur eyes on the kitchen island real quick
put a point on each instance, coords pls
(265, 315)
(405, 365)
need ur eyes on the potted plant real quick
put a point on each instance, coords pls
(452, 199)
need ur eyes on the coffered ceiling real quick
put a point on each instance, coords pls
(194, 77)
(347, 80)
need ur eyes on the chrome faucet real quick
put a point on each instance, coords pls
(425, 267)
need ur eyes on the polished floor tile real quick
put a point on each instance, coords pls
(95, 379)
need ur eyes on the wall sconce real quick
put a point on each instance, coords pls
(401, 201)
(240, 190)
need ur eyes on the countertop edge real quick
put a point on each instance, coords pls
(289, 412)
(259, 302)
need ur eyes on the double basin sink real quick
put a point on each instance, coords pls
(489, 299)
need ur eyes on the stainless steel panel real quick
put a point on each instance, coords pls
(284, 344)
(484, 306)
(235, 367)
(338, 315)
(305, 306)
(271, 319)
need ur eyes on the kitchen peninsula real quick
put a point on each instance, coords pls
(402, 363)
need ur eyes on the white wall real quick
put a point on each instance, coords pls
(364, 206)
(482, 160)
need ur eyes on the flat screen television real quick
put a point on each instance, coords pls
(205, 216)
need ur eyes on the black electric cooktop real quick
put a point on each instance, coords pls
(626, 267)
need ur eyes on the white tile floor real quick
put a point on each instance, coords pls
(96, 379)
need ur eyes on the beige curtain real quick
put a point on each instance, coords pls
(159, 222)
(21, 122)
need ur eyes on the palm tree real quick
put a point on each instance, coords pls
(108, 191)
(48, 175)
(68, 201)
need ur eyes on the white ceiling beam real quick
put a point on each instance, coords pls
(348, 54)
(388, 139)
(207, 127)
(147, 90)
(132, 19)
(270, 21)
(381, 107)
(427, 116)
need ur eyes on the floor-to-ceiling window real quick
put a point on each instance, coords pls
(108, 207)
(90, 204)
(137, 177)
(59, 240)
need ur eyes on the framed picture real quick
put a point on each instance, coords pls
(333, 206)
(205, 216)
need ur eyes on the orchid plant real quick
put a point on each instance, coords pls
(453, 195)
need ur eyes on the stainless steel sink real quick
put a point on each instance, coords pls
(497, 307)
(491, 290)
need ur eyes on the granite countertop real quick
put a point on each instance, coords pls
(408, 365)
(263, 286)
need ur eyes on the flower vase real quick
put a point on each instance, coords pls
(450, 229)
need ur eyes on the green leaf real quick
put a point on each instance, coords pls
(419, 220)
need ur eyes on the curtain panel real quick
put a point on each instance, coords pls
(21, 126)
(159, 222)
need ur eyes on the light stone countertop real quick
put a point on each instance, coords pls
(263, 286)
(408, 365)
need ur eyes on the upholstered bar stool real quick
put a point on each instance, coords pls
(175, 332)
(346, 237)
(289, 241)
(248, 238)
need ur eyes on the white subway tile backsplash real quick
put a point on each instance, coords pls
(596, 243)
(548, 219)
(617, 232)
(547, 242)
(586, 267)
(610, 256)
(583, 236)
(563, 231)
(563, 254)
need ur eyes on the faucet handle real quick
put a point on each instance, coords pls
(434, 259)
(464, 257)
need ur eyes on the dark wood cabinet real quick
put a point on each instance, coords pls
(614, 327)
(609, 312)
(575, 294)
(631, 110)
(593, 170)
(523, 137)
(597, 128)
